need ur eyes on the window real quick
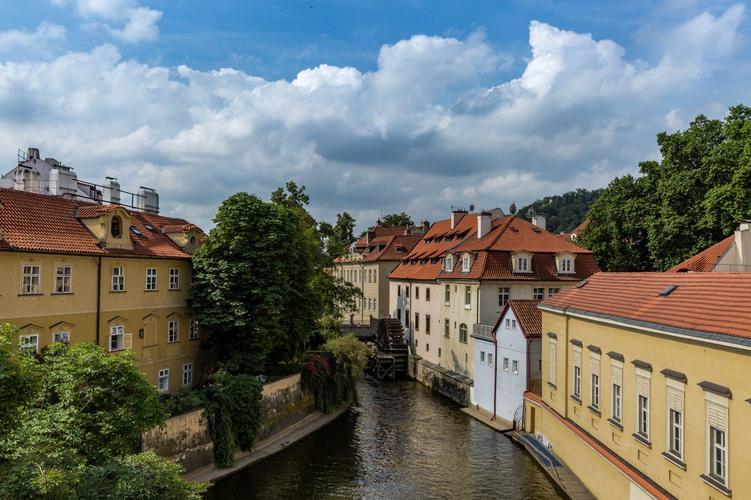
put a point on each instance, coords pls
(565, 266)
(117, 338)
(538, 293)
(417, 321)
(449, 263)
(406, 318)
(118, 279)
(61, 337)
(30, 280)
(447, 294)
(675, 391)
(188, 374)
(151, 279)
(398, 290)
(174, 278)
(718, 454)
(427, 347)
(172, 331)
(522, 264)
(505, 364)
(642, 403)
(406, 291)
(163, 380)
(30, 342)
(595, 389)
(552, 361)
(553, 291)
(439, 353)
(427, 324)
(467, 297)
(465, 263)
(717, 442)
(616, 403)
(193, 333)
(417, 293)
(116, 227)
(427, 295)
(482, 356)
(490, 359)
(508, 323)
(375, 304)
(513, 323)
(463, 333)
(514, 366)
(577, 359)
(446, 328)
(504, 293)
(63, 276)
(676, 432)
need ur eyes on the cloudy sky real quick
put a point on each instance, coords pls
(376, 106)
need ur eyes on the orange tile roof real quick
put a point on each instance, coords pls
(704, 261)
(391, 246)
(50, 224)
(380, 231)
(527, 314)
(703, 304)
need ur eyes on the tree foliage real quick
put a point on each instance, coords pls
(397, 220)
(338, 238)
(562, 212)
(680, 205)
(18, 379)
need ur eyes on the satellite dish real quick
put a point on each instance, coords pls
(471, 208)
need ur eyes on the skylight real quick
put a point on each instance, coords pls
(148, 226)
(667, 291)
(135, 231)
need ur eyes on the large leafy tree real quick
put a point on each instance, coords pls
(253, 280)
(396, 220)
(338, 238)
(562, 212)
(689, 200)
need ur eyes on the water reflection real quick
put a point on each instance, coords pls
(402, 441)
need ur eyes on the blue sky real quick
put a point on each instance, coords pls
(374, 105)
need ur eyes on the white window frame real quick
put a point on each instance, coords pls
(675, 434)
(188, 374)
(505, 364)
(616, 397)
(194, 332)
(553, 291)
(117, 331)
(61, 337)
(28, 340)
(466, 263)
(118, 279)
(467, 297)
(595, 381)
(31, 279)
(63, 280)
(538, 293)
(151, 279)
(162, 381)
(717, 418)
(643, 387)
(522, 263)
(448, 263)
(447, 294)
(515, 366)
(173, 331)
(577, 375)
(174, 278)
(490, 359)
(504, 295)
(552, 361)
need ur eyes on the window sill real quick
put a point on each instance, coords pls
(173, 342)
(616, 424)
(195, 338)
(150, 291)
(714, 483)
(594, 410)
(576, 399)
(674, 460)
(642, 440)
(447, 304)
(468, 308)
(61, 293)
(117, 291)
(30, 294)
(117, 350)
(174, 289)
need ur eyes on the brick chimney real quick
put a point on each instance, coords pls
(483, 223)
(456, 216)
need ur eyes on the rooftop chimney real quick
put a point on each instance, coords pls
(483, 224)
(743, 244)
(456, 216)
(539, 221)
(32, 154)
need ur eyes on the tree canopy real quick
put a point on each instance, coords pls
(396, 220)
(562, 212)
(691, 199)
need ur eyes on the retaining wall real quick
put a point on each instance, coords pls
(445, 382)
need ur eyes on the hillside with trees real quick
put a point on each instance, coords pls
(694, 197)
(562, 212)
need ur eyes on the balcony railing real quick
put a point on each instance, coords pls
(482, 331)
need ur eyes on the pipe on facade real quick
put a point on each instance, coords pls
(98, 295)
(495, 374)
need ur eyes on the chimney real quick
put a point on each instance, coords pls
(456, 216)
(743, 244)
(539, 221)
(112, 191)
(148, 200)
(483, 224)
(32, 154)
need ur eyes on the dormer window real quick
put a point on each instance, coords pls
(522, 263)
(565, 263)
(466, 263)
(116, 227)
(449, 263)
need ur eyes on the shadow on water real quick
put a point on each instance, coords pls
(401, 441)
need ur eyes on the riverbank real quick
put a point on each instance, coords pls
(267, 447)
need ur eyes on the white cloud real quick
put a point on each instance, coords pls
(419, 133)
(44, 41)
(124, 20)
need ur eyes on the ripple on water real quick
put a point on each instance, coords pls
(402, 441)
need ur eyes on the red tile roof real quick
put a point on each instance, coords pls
(527, 314)
(702, 304)
(380, 231)
(393, 247)
(704, 261)
(50, 224)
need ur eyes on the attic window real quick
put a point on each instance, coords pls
(537, 229)
(135, 231)
(400, 249)
(148, 226)
(116, 227)
(582, 284)
(667, 291)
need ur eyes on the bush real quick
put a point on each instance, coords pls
(184, 402)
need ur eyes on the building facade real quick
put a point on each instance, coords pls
(75, 271)
(645, 384)
(368, 265)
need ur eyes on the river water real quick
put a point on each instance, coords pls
(402, 441)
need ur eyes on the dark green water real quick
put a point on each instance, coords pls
(403, 442)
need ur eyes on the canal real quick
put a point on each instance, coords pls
(401, 441)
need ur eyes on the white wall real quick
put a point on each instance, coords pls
(484, 373)
(511, 386)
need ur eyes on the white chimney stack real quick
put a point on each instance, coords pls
(148, 200)
(483, 224)
(111, 193)
(539, 221)
(456, 216)
(743, 244)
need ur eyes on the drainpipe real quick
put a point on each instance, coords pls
(495, 375)
(98, 295)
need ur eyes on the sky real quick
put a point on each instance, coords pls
(375, 106)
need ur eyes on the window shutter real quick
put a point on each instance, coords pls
(642, 386)
(675, 400)
(128, 341)
(617, 375)
(577, 357)
(552, 358)
(717, 416)
(595, 365)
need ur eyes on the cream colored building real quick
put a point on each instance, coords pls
(645, 384)
(733, 254)
(75, 271)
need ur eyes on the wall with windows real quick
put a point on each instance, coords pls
(423, 300)
(675, 409)
(490, 294)
(462, 312)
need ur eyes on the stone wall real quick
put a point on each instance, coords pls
(186, 439)
(445, 382)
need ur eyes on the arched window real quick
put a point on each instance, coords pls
(116, 227)
(463, 333)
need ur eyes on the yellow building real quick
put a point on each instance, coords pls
(74, 271)
(646, 384)
(368, 265)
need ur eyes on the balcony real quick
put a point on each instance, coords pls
(482, 331)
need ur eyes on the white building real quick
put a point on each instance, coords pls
(507, 362)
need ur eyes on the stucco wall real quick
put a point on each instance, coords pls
(446, 384)
(284, 403)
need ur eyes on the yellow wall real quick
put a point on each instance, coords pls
(376, 289)
(135, 308)
(699, 361)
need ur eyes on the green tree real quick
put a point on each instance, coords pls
(338, 238)
(689, 200)
(562, 212)
(18, 378)
(397, 220)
